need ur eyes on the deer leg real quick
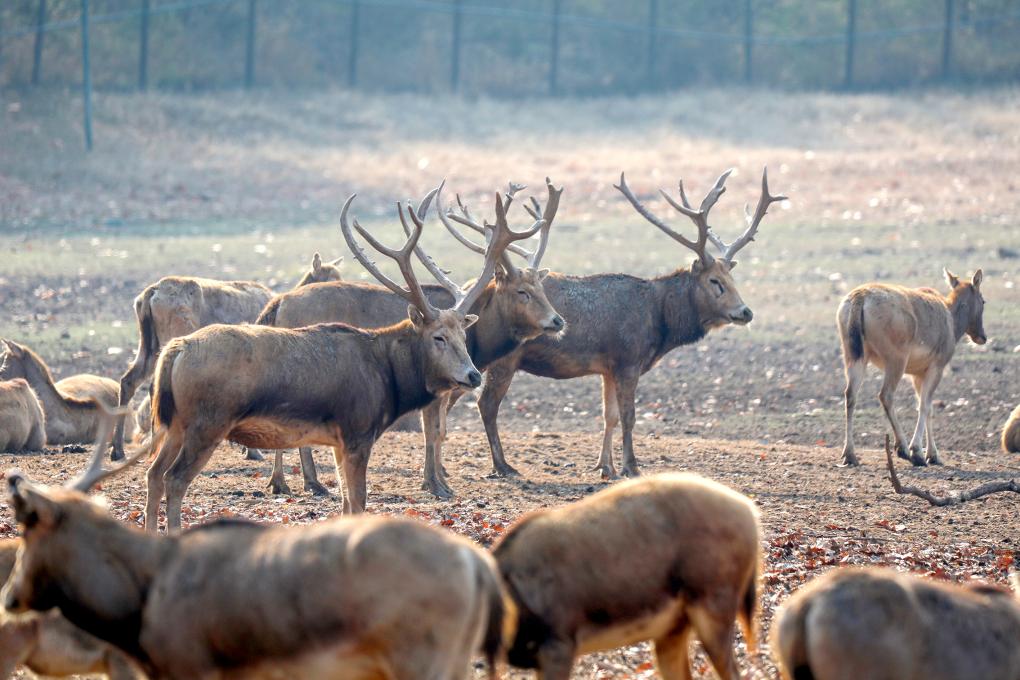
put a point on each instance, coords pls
(278, 480)
(671, 654)
(626, 392)
(893, 375)
(252, 454)
(855, 373)
(199, 445)
(716, 629)
(434, 482)
(341, 479)
(555, 660)
(18, 636)
(310, 474)
(155, 476)
(925, 387)
(448, 401)
(610, 418)
(140, 370)
(355, 464)
(497, 381)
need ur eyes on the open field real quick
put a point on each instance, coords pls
(881, 188)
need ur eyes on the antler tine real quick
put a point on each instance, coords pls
(501, 237)
(95, 473)
(548, 214)
(430, 264)
(465, 218)
(752, 219)
(696, 215)
(413, 293)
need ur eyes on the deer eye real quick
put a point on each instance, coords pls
(440, 341)
(524, 295)
(719, 290)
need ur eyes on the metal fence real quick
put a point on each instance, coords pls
(528, 47)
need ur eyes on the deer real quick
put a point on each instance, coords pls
(22, 421)
(511, 310)
(352, 597)
(48, 644)
(69, 404)
(650, 317)
(179, 305)
(657, 558)
(1011, 433)
(905, 330)
(879, 624)
(330, 384)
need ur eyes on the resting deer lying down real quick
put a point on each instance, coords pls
(179, 305)
(883, 625)
(905, 330)
(69, 404)
(48, 644)
(355, 598)
(651, 559)
(1011, 433)
(22, 422)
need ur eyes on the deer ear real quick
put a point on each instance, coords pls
(416, 317)
(978, 276)
(14, 349)
(952, 279)
(469, 320)
(316, 262)
(732, 264)
(697, 267)
(542, 273)
(31, 506)
(338, 261)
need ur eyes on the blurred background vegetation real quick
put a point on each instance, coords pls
(600, 46)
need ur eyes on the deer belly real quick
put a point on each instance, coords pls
(594, 638)
(265, 432)
(341, 661)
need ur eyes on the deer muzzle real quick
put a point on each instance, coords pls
(742, 316)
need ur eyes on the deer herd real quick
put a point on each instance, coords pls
(337, 363)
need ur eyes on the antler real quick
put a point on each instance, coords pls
(95, 473)
(413, 293)
(465, 218)
(699, 216)
(766, 199)
(955, 497)
(548, 214)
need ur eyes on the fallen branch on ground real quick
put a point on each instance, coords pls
(955, 497)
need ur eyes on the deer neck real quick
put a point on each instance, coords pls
(958, 312)
(406, 359)
(680, 319)
(53, 402)
(494, 335)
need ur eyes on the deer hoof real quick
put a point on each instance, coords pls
(252, 454)
(848, 460)
(917, 460)
(608, 473)
(631, 471)
(901, 452)
(316, 488)
(934, 460)
(505, 470)
(116, 453)
(438, 489)
(278, 487)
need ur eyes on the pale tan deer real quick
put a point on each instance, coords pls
(657, 559)
(905, 330)
(48, 644)
(883, 625)
(321, 272)
(1011, 433)
(650, 318)
(22, 421)
(179, 305)
(69, 404)
(353, 598)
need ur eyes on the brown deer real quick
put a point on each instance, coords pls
(651, 559)
(69, 405)
(650, 317)
(179, 305)
(22, 421)
(320, 271)
(511, 310)
(48, 644)
(366, 597)
(1011, 433)
(882, 625)
(329, 384)
(905, 330)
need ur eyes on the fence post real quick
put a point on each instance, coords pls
(143, 48)
(37, 51)
(86, 74)
(554, 57)
(249, 48)
(352, 60)
(653, 20)
(947, 41)
(458, 11)
(748, 41)
(851, 43)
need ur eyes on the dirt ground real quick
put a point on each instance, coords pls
(881, 188)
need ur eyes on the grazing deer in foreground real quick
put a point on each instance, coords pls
(1011, 433)
(651, 559)
(511, 310)
(366, 597)
(650, 317)
(329, 384)
(22, 421)
(179, 305)
(48, 644)
(905, 330)
(883, 625)
(69, 404)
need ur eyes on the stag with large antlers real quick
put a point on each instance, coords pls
(650, 317)
(511, 310)
(365, 597)
(329, 384)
